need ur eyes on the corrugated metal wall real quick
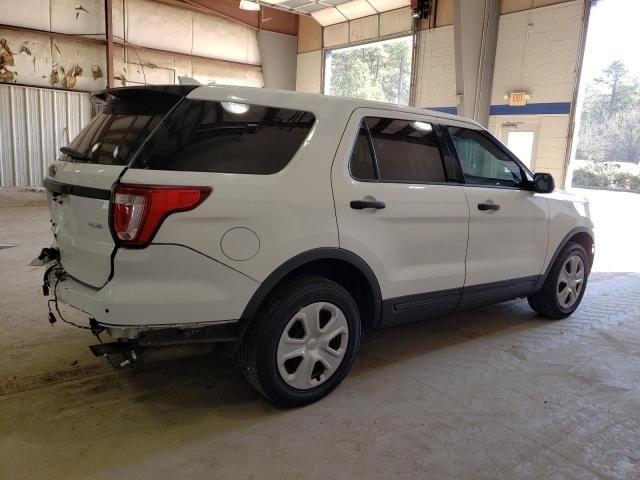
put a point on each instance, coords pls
(34, 124)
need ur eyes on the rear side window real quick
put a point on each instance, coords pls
(124, 121)
(363, 166)
(393, 150)
(208, 136)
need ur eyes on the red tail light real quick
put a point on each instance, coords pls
(139, 210)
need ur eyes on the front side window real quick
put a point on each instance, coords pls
(482, 162)
(224, 137)
(396, 150)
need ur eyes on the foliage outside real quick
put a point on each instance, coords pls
(610, 130)
(608, 176)
(379, 71)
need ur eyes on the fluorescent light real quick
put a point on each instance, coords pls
(251, 5)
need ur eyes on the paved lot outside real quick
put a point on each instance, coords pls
(495, 393)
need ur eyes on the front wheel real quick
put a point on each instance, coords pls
(565, 285)
(303, 341)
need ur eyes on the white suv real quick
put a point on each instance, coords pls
(289, 223)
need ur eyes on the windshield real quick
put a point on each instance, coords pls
(124, 121)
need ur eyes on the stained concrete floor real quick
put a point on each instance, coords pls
(495, 393)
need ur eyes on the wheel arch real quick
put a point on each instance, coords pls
(339, 265)
(581, 235)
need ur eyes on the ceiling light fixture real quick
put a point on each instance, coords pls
(235, 108)
(251, 5)
(423, 126)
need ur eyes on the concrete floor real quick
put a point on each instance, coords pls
(493, 393)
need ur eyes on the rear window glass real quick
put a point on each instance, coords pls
(393, 150)
(363, 165)
(211, 136)
(407, 151)
(122, 124)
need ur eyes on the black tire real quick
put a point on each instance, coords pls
(257, 353)
(545, 301)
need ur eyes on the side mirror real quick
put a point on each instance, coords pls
(543, 183)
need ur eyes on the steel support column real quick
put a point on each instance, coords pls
(475, 39)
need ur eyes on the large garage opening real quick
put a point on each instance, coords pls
(606, 162)
(374, 71)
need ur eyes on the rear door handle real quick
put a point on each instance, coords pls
(362, 204)
(488, 206)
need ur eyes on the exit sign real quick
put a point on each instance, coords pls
(517, 99)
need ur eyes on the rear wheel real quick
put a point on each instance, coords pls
(565, 285)
(303, 341)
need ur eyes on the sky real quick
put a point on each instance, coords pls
(613, 34)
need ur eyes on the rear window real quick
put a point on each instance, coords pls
(392, 150)
(407, 151)
(124, 121)
(224, 137)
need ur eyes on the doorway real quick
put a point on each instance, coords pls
(521, 137)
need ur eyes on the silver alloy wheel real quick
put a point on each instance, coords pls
(570, 281)
(312, 345)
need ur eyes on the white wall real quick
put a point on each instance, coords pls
(436, 79)
(309, 72)
(278, 52)
(538, 52)
(35, 122)
(146, 23)
(141, 22)
(43, 61)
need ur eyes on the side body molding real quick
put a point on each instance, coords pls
(317, 254)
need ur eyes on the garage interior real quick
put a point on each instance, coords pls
(492, 393)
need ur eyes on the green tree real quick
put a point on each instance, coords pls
(609, 122)
(621, 92)
(374, 72)
(623, 141)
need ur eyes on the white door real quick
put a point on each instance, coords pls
(521, 138)
(412, 227)
(508, 226)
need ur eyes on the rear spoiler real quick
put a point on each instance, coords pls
(112, 95)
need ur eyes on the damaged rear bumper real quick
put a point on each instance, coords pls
(163, 293)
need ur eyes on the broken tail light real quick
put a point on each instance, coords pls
(139, 210)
